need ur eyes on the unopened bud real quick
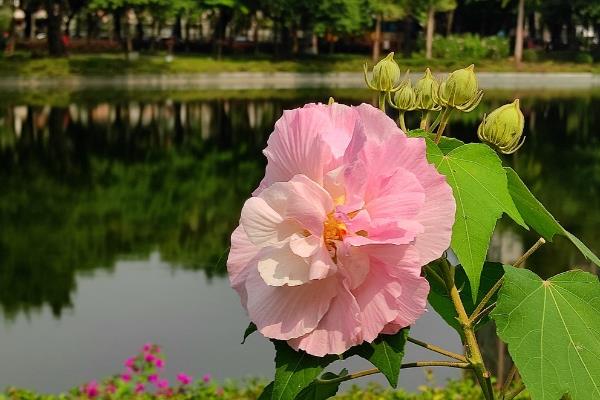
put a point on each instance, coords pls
(405, 98)
(386, 74)
(460, 90)
(503, 128)
(425, 90)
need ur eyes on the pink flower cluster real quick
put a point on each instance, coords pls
(329, 249)
(142, 374)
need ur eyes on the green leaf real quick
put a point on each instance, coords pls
(267, 392)
(386, 353)
(479, 185)
(442, 304)
(536, 215)
(295, 370)
(249, 331)
(446, 144)
(553, 331)
(321, 391)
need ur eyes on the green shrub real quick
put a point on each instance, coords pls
(531, 55)
(470, 46)
(584, 58)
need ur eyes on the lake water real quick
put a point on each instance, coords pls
(116, 209)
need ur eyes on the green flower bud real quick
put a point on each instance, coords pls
(405, 99)
(503, 128)
(386, 74)
(460, 90)
(425, 91)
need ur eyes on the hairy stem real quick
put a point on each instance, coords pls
(401, 122)
(444, 118)
(424, 120)
(382, 101)
(372, 371)
(473, 352)
(438, 349)
(498, 284)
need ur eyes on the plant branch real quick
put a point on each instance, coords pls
(515, 392)
(382, 96)
(401, 122)
(507, 382)
(430, 271)
(418, 364)
(476, 317)
(445, 117)
(437, 349)
(473, 352)
(498, 284)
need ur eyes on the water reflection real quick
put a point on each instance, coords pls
(90, 180)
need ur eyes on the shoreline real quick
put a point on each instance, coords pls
(287, 80)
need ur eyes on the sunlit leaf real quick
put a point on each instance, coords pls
(553, 332)
(386, 353)
(249, 331)
(442, 304)
(295, 370)
(538, 218)
(479, 184)
(319, 390)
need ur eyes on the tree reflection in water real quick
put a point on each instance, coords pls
(92, 179)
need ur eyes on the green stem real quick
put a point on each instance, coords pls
(498, 284)
(436, 122)
(372, 371)
(382, 101)
(470, 340)
(401, 122)
(515, 392)
(424, 120)
(444, 118)
(507, 382)
(437, 349)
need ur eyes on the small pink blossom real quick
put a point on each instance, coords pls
(206, 378)
(111, 388)
(150, 357)
(126, 377)
(163, 384)
(147, 347)
(130, 362)
(139, 388)
(184, 379)
(329, 250)
(159, 363)
(91, 389)
(153, 378)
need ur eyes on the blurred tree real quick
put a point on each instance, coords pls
(385, 10)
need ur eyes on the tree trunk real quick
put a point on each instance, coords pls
(117, 25)
(407, 36)
(430, 31)
(449, 23)
(225, 15)
(519, 33)
(56, 46)
(377, 38)
(177, 27)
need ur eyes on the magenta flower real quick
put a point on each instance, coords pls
(153, 378)
(184, 379)
(91, 389)
(126, 377)
(130, 362)
(147, 347)
(329, 250)
(163, 384)
(159, 363)
(139, 388)
(111, 388)
(206, 378)
(149, 357)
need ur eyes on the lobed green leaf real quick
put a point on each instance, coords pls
(553, 332)
(385, 353)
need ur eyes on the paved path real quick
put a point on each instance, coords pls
(289, 80)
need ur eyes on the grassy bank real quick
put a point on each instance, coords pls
(455, 390)
(117, 64)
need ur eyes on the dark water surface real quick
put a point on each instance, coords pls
(116, 210)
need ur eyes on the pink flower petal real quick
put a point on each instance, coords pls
(287, 312)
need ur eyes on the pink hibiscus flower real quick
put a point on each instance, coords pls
(329, 250)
